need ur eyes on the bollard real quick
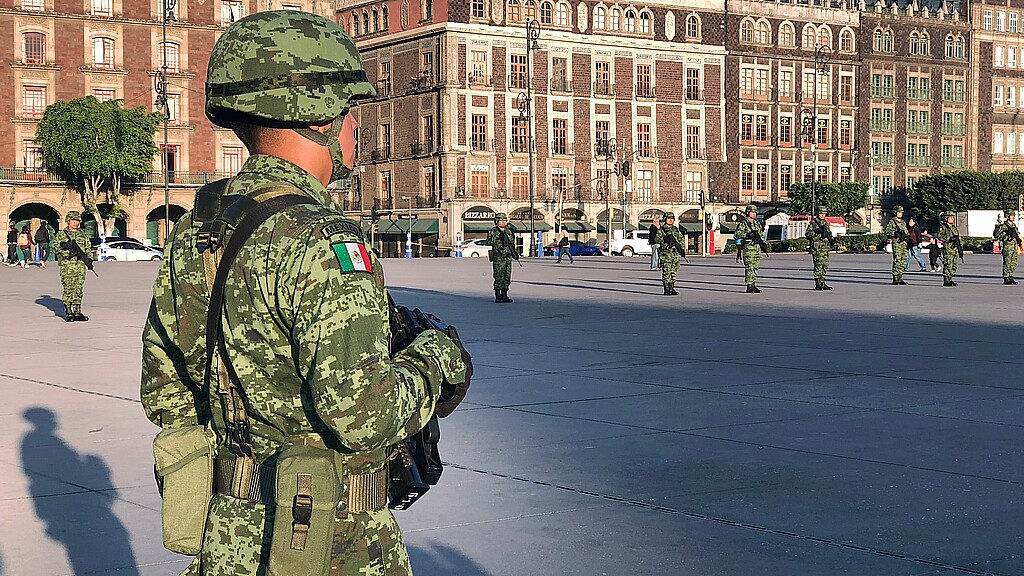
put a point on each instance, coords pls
(408, 241)
(458, 244)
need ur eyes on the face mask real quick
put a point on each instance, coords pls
(330, 140)
(339, 171)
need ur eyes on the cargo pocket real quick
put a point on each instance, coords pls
(307, 492)
(234, 539)
(184, 473)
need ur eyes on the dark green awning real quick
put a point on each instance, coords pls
(523, 226)
(616, 226)
(727, 227)
(475, 226)
(419, 226)
(856, 229)
(576, 226)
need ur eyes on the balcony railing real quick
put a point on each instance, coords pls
(882, 91)
(380, 154)
(693, 153)
(517, 81)
(882, 159)
(953, 129)
(919, 160)
(755, 94)
(644, 91)
(919, 127)
(560, 147)
(560, 85)
(479, 145)
(518, 145)
(603, 89)
(422, 148)
(881, 126)
(952, 162)
(479, 79)
(919, 93)
(954, 96)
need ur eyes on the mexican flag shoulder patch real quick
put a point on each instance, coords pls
(352, 256)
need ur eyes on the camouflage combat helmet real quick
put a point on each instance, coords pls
(668, 216)
(750, 208)
(284, 65)
(1009, 213)
(73, 215)
(897, 208)
(822, 210)
(500, 216)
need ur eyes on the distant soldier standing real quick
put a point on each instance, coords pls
(952, 247)
(820, 237)
(1009, 244)
(898, 234)
(501, 255)
(72, 268)
(749, 237)
(670, 240)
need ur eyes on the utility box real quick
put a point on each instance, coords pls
(978, 222)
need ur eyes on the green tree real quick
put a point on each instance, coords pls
(966, 190)
(100, 143)
(840, 198)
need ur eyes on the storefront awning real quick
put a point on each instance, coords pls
(523, 226)
(419, 226)
(616, 226)
(474, 226)
(856, 229)
(727, 227)
(576, 226)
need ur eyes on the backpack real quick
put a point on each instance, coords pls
(24, 240)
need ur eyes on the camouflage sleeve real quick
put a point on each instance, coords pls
(166, 394)
(492, 238)
(84, 243)
(61, 253)
(339, 316)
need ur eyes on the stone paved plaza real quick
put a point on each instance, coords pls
(610, 430)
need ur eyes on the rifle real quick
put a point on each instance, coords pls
(823, 230)
(79, 254)
(759, 241)
(673, 242)
(414, 464)
(508, 244)
(959, 245)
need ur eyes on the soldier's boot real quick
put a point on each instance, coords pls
(672, 289)
(895, 281)
(817, 284)
(1007, 280)
(68, 315)
(666, 290)
(497, 297)
(825, 286)
(79, 317)
(1013, 280)
(948, 283)
(753, 289)
(900, 282)
(504, 297)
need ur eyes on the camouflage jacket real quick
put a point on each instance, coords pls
(499, 248)
(306, 328)
(662, 241)
(818, 233)
(79, 237)
(1008, 234)
(897, 229)
(746, 230)
(950, 237)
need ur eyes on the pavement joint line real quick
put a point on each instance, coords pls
(493, 520)
(70, 388)
(737, 524)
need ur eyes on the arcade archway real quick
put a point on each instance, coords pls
(34, 215)
(155, 222)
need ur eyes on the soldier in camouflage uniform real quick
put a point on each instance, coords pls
(1009, 244)
(305, 313)
(951, 247)
(499, 238)
(898, 234)
(745, 236)
(669, 255)
(72, 268)
(820, 237)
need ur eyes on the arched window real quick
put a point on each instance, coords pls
(764, 32)
(545, 12)
(887, 41)
(172, 51)
(949, 46)
(599, 14)
(846, 41)
(562, 14)
(876, 41)
(824, 36)
(33, 48)
(515, 11)
(959, 50)
(354, 24)
(809, 37)
(366, 22)
(630, 21)
(384, 16)
(693, 26)
(613, 19)
(747, 31)
(376, 20)
(924, 44)
(531, 9)
(645, 22)
(103, 53)
(913, 43)
(787, 37)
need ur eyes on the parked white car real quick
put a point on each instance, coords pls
(476, 248)
(127, 251)
(634, 243)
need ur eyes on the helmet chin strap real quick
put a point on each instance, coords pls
(330, 140)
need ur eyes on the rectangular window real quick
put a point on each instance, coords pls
(517, 76)
(747, 129)
(761, 130)
(1011, 57)
(808, 87)
(761, 83)
(747, 82)
(986, 20)
(478, 67)
(846, 88)
(33, 101)
(520, 182)
(34, 48)
(997, 143)
(693, 91)
(822, 136)
(785, 84)
(1000, 21)
(643, 81)
(384, 152)
(997, 95)
(103, 53)
(427, 133)
(37, 5)
(746, 179)
(1011, 96)
(520, 141)
(477, 8)
(559, 136)
(601, 137)
(168, 55)
(231, 10)
(560, 75)
(694, 186)
(602, 78)
(998, 59)
(173, 108)
(559, 180)
(102, 8)
(384, 80)
(785, 131)
(385, 187)
(480, 181)
(643, 140)
(103, 94)
(693, 143)
(478, 135)
(232, 159)
(761, 180)
(1011, 143)
(785, 178)
(429, 189)
(845, 133)
(33, 158)
(644, 184)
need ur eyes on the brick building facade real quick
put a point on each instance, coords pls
(997, 78)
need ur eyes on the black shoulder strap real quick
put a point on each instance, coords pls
(249, 222)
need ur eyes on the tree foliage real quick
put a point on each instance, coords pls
(840, 198)
(966, 190)
(100, 143)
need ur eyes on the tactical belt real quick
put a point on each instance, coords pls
(362, 492)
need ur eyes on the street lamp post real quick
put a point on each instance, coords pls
(525, 104)
(408, 233)
(610, 149)
(822, 55)
(162, 103)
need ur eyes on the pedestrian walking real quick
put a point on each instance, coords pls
(914, 245)
(12, 245)
(934, 252)
(293, 425)
(652, 233)
(73, 265)
(563, 249)
(821, 242)
(43, 241)
(25, 244)
(952, 247)
(673, 246)
(898, 235)
(1009, 244)
(503, 251)
(749, 238)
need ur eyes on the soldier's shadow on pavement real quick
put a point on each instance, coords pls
(55, 305)
(93, 537)
(440, 560)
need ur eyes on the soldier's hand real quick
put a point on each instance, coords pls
(453, 394)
